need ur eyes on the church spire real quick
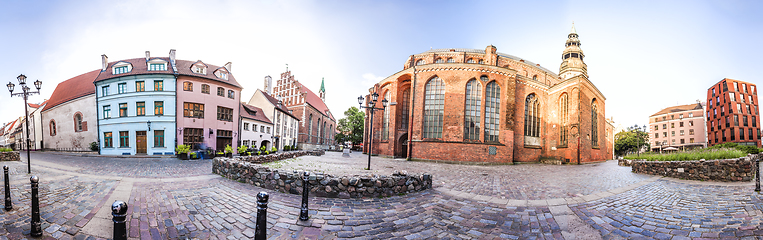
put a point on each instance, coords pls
(322, 91)
(572, 57)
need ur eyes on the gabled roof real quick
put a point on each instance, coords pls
(680, 108)
(184, 68)
(254, 113)
(32, 105)
(73, 88)
(315, 101)
(139, 67)
(274, 101)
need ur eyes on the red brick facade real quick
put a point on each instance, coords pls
(316, 123)
(516, 79)
(732, 113)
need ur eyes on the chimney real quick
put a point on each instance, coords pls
(172, 60)
(268, 83)
(148, 55)
(104, 62)
(228, 65)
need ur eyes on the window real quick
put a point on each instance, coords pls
(193, 136)
(664, 126)
(535, 77)
(470, 60)
(532, 116)
(691, 114)
(420, 62)
(736, 121)
(672, 125)
(404, 108)
(450, 60)
(140, 108)
(78, 122)
(245, 143)
(104, 91)
(691, 131)
(220, 91)
(739, 108)
(664, 134)
(732, 96)
(691, 123)
(736, 87)
(691, 140)
(205, 88)
(681, 116)
(268, 130)
(120, 70)
(122, 88)
(310, 127)
(682, 132)
(733, 136)
(749, 133)
(472, 110)
(672, 133)
(157, 67)
(681, 124)
(492, 110)
(481, 62)
(385, 118)
(744, 121)
(750, 96)
(231, 94)
(124, 139)
(123, 110)
(741, 98)
(656, 127)
(594, 124)
(158, 85)
(107, 140)
(663, 118)
(193, 110)
(682, 141)
(223, 75)
(246, 126)
(744, 87)
(673, 141)
(254, 127)
(439, 60)
(656, 135)
(52, 128)
(188, 86)
(752, 91)
(107, 111)
(224, 114)
(262, 128)
(140, 86)
(159, 108)
(434, 103)
(725, 86)
(754, 122)
(158, 138)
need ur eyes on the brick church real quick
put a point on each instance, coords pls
(486, 107)
(317, 125)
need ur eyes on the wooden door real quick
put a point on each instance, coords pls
(141, 142)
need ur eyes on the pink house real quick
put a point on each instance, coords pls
(681, 127)
(207, 105)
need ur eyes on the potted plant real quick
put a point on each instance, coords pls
(263, 148)
(182, 151)
(194, 155)
(219, 154)
(273, 149)
(228, 151)
(242, 150)
(259, 153)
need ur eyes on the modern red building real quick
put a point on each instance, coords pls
(732, 113)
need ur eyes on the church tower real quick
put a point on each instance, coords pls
(322, 92)
(268, 84)
(572, 58)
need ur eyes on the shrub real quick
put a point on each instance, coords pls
(286, 148)
(242, 149)
(193, 154)
(267, 152)
(5, 149)
(180, 149)
(259, 153)
(263, 148)
(228, 149)
(707, 153)
(744, 148)
(273, 149)
(93, 146)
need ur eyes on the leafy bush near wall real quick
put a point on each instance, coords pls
(6, 149)
(707, 154)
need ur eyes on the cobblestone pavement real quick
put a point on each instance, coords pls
(126, 167)
(524, 181)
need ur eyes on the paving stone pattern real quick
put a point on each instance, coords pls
(126, 167)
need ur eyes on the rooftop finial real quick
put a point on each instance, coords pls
(573, 28)
(287, 67)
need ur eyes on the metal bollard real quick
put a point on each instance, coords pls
(119, 216)
(305, 190)
(36, 225)
(261, 228)
(757, 175)
(8, 203)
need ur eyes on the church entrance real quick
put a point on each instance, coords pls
(403, 146)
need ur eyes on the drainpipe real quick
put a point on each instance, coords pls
(580, 125)
(410, 114)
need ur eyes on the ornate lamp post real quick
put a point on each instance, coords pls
(25, 92)
(371, 104)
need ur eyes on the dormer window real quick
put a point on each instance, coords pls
(157, 67)
(222, 74)
(120, 70)
(121, 67)
(199, 67)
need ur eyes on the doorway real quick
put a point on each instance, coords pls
(140, 142)
(403, 145)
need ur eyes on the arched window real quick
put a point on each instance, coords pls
(532, 116)
(77, 122)
(450, 60)
(472, 107)
(420, 62)
(470, 60)
(481, 62)
(385, 119)
(535, 77)
(492, 110)
(404, 108)
(318, 133)
(439, 60)
(594, 125)
(323, 135)
(564, 116)
(434, 103)
(309, 128)
(52, 127)
(484, 78)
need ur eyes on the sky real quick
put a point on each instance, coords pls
(642, 55)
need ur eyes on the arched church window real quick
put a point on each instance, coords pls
(434, 103)
(594, 125)
(406, 97)
(385, 119)
(492, 110)
(532, 116)
(472, 114)
(420, 62)
(564, 119)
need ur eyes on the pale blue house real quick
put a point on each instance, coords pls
(135, 101)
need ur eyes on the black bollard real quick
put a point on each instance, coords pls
(8, 204)
(305, 190)
(757, 175)
(119, 216)
(261, 228)
(36, 225)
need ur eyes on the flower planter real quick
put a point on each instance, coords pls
(183, 156)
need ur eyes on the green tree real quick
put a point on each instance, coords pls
(630, 140)
(351, 126)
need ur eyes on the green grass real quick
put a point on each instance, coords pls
(707, 154)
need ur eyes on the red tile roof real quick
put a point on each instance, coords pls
(73, 88)
(139, 67)
(184, 68)
(315, 101)
(679, 108)
(32, 105)
(274, 101)
(251, 112)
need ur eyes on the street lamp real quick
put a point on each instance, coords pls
(25, 92)
(371, 104)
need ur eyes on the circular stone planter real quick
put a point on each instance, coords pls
(726, 170)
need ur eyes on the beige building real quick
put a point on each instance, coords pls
(681, 127)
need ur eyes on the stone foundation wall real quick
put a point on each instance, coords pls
(624, 162)
(321, 185)
(10, 156)
(279, 156)
(726, 170)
